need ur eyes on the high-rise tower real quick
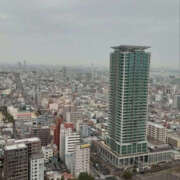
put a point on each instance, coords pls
(129, 75)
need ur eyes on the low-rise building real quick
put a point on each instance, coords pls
(47, 152)
(174, 140)
(56, 175)
(156, 131)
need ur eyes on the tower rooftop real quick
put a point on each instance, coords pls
(130, 47)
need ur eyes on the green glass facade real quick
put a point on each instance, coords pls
(129, 75)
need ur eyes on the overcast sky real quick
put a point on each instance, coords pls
(77, 32)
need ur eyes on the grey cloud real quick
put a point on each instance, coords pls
(46, 30)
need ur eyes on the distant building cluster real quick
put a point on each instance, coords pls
(59, 122)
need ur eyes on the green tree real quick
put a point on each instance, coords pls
(85, 176)
(127, 175)
(113, 178)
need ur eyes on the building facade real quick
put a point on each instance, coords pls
(174, 140)
(138, 159)
(37, 167)
(65, 130)
(81, 160)
(126, 143)
(48, 153)
(70, 144)
(33, 147)
(56, 139)
(43, 133)
(129, 74)
(16, 162)
(156, 132)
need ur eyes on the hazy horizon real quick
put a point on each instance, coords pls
(81, 32)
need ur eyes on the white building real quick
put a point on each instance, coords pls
(63, 132)
(37, 167)
(47, 152)
(156, 132)
(81, 160)
(70, 144)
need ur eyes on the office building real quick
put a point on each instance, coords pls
(37, 167)
(16, 162)
(129, 74)
(43, 133)
(65, 130)
(71, 141)
(81, 160)
(33, 145)
(126, 143)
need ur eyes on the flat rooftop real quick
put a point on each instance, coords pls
(34, 139)
(160, 126)
(174, 135)
(130, 47)
(14, 147)
(42, 127)
(37, 156)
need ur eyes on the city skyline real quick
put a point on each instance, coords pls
(89, 90)
(62, 114)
